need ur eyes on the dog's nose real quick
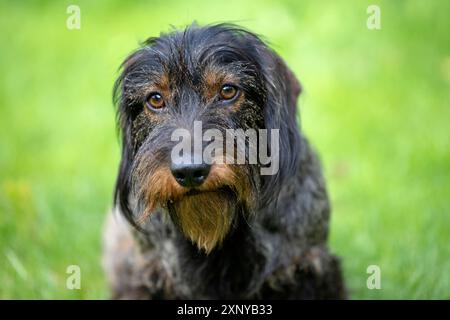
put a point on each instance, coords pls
(190, 175)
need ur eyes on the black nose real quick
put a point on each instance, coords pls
(190, 175)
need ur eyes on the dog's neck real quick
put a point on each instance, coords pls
(230, 269)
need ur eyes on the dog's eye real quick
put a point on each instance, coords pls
(228, 92)
(155, 101)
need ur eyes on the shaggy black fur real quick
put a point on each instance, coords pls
(276, 246)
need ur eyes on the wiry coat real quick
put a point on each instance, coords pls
(276, 242)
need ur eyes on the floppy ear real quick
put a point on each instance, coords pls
(125, 115)
(280, 112)
(293, 87)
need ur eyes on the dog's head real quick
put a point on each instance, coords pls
(214, 80)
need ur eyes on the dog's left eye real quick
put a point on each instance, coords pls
(155, 101)
(228, 92)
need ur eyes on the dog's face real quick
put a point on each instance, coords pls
(224, 78)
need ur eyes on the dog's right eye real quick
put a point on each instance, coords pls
(228, 92)
(155, 101)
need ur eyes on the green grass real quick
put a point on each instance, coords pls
(375, 105)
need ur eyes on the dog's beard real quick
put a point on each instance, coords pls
(205, 218)
(204, 215)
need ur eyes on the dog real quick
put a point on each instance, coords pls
(218, 230)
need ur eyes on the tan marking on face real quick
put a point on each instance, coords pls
(163, 84)
(159, 188)
(213, 80)
(227, 175)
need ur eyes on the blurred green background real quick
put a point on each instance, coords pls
(375, 105)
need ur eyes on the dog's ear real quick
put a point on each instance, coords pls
(124, 124)
(293, 87)
(280, 112)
